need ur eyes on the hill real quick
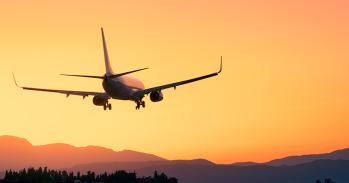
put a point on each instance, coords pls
(17, 153)
(342, 154)
(191, 172)
(60, 155)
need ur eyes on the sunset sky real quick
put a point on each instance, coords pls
(283, 90)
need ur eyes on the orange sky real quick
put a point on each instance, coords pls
(284, 87)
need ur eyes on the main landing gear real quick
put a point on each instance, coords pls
(107, 106)
(139, 104)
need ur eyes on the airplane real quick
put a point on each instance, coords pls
(120, 86)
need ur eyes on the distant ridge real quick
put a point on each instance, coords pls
(131, 166)
(194, 161)
(249, 163)
(17, 153)
(342, 154)
(60, 155)
(189, 172)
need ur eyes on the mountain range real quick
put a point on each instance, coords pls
(18, 153)
(194, 172)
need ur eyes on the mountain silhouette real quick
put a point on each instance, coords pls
(17, 153)
(193, 172)
(249, 163)
(342, 154)
(131, 166)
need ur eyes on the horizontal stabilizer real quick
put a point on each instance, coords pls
(102, 77)
(85, 76)
(125, 73)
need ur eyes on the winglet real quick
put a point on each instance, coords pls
(221, 66)
(14, 79)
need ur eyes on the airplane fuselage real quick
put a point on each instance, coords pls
(122, 88)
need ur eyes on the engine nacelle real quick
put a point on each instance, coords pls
(100, 101)
(156, 96)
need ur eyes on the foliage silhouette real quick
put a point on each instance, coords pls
(45, 175)
(328, 180)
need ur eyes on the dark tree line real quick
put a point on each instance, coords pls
(325, 181)
(45, 175)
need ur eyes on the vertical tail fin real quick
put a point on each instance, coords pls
(108, 69)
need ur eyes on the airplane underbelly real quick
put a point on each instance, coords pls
(117, 90)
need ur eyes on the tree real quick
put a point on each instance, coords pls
(318, 181)
(44, 175)
(328, 180)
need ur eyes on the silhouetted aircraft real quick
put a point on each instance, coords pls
(120, 86)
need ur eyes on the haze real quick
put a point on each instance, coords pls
(284, 87)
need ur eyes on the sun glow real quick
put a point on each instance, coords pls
(283, 90)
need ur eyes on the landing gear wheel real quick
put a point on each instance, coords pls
(139, 103)
(105, 106)
(109, 106)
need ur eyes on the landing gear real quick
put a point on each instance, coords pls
(107, 106)
(139, 104)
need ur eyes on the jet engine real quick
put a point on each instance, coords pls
(100, 101)
(156, 96)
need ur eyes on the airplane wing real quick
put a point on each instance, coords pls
(175, 84)
(67, 92)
